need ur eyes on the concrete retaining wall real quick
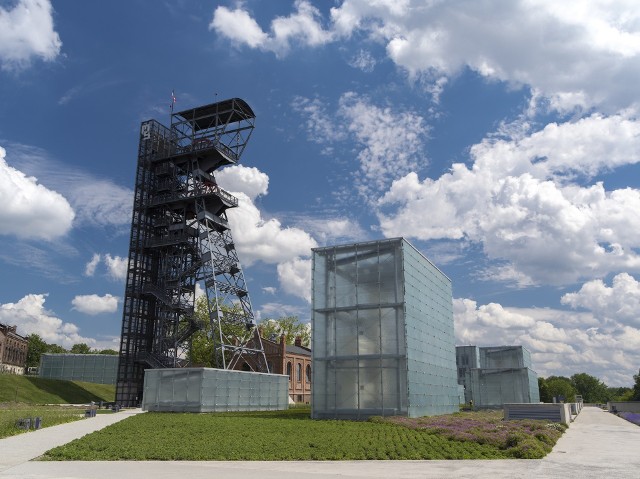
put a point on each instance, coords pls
(624, 406)
(553, 412)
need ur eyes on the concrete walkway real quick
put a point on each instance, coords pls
(597, 444)
(19, 449)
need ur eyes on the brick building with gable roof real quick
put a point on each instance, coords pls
(13, 350)
(294, 360)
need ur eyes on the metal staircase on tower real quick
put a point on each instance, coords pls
(181, 238)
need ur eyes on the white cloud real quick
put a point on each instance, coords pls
(27, 31)
(303, 27)
(100, 202)
(620, 302)
(238, 26)
(90, 267)
(577, 56)
(560, 342)
(269, 290)
(93, 304)
(96, 201)
(116, 267)
(330, 230)
(295, 277)
(259, 239)
(391, 140)
(278, 310)
(29, 209)
(363, 60)
(242, 179)
(522, 201)
(30, 315)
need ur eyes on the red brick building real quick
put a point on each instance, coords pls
(295, 361)
(13, 350)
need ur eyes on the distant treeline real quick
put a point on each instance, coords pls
(589, 387)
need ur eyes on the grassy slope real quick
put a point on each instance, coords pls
(33, 390)
(279, 435)
(50, 416)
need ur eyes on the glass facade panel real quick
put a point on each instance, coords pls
(91, 368)
(377, 351)
(493, 376)
(213, 390)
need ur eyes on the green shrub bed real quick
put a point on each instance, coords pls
(523, 439)
(279, 436)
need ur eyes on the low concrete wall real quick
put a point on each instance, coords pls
(624, 406)
(213, 390)
(553, 412)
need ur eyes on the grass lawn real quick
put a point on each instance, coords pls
(34, 390)
(292, 435)
(51, 416)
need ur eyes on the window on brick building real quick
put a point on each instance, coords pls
(308, 373)
(299, 372)
(289, 370)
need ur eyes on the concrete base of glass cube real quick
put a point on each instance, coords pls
(213, 390)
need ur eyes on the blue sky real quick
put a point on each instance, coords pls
(501, 138)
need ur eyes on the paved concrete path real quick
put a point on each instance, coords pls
(597, 444)
(19, 449)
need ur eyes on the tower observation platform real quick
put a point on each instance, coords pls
(180, 237)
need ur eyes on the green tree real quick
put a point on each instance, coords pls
(590, 388)
(55, 349)
(545, 395)
(111, 352)
(620, 394)
(81, 348)
(288, 325)
(37, 346)
(561, 386)
(201, 349)
(636, 387)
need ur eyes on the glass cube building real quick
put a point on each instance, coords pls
(91, 368)
(493, 376)
(383, 340)
(213, 390)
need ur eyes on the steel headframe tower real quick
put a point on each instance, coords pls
(180, 237)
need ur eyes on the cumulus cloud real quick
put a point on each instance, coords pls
(27, 32)
(90, 267)
(116, 266)
(267, 240)
(618, 302)
(576, 56)
(391, 140)
(242, 179)
(29, 209)
(96, 201)
(31, 317)
(525, 201)
(295, 277)
(302, 27)
(561, 342)
(93, 304)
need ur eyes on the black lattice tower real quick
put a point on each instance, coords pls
(180, 237)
